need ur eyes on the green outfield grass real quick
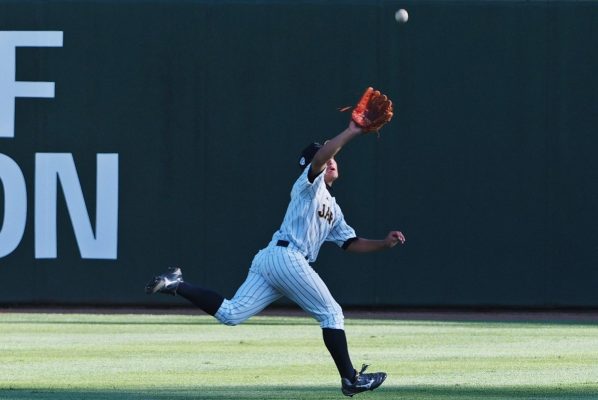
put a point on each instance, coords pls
(89, 356)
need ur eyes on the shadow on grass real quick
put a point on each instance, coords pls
(199, 321)
(307, 393)
(297, 317)
(304, 320)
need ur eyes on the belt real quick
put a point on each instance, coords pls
(285, 243)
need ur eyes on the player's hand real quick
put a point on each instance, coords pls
(393, 238)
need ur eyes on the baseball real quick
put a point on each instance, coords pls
(401, 16)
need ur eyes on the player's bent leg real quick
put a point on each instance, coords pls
(292, 275)
(253, 296)
(206, 299)
(172, 283)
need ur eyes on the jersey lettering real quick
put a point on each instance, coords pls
(326, 213)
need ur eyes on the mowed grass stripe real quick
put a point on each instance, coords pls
(96, 356)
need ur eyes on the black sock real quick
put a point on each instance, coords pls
(336, 342)
(205, 299)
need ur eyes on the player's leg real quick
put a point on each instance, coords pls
(336, 343)
(251, 297)
(172, 283)
(206, 299)
(294, 277)
(331, 319)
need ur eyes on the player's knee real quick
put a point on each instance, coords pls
(333, 321)
(230, 322)
(228, 315)
(230, 319)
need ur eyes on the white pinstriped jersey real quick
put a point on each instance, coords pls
(312, 217)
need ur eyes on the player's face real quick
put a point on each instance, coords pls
(331, 171)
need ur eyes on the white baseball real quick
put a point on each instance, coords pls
(402, 16)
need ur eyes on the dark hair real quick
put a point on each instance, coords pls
(308, 154)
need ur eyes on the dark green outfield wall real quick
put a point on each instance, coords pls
(199, 109)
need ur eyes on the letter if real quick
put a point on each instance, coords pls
(10, 88)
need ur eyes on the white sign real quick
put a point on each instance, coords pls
(10, 88)
(15, 205)
(52, 170)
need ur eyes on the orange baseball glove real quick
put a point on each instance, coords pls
(373, 111)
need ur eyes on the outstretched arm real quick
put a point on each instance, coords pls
(372, 112)
(361, 245)
(332, 147)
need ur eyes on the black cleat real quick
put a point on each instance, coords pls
(362, 382)
(166, 283)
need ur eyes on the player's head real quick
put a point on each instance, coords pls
(308, 154)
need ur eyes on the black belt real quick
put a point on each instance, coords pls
(285, 243)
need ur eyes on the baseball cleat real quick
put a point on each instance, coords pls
(362, 382)
(166, 283)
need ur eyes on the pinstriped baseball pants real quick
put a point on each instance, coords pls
(276, 272)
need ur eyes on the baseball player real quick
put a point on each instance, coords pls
(283, 267)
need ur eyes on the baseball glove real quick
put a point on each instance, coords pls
(373, 111)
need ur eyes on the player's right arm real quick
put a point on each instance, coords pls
(331, 148)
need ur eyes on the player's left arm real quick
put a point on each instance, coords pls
(362, 245)
(346, 237)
